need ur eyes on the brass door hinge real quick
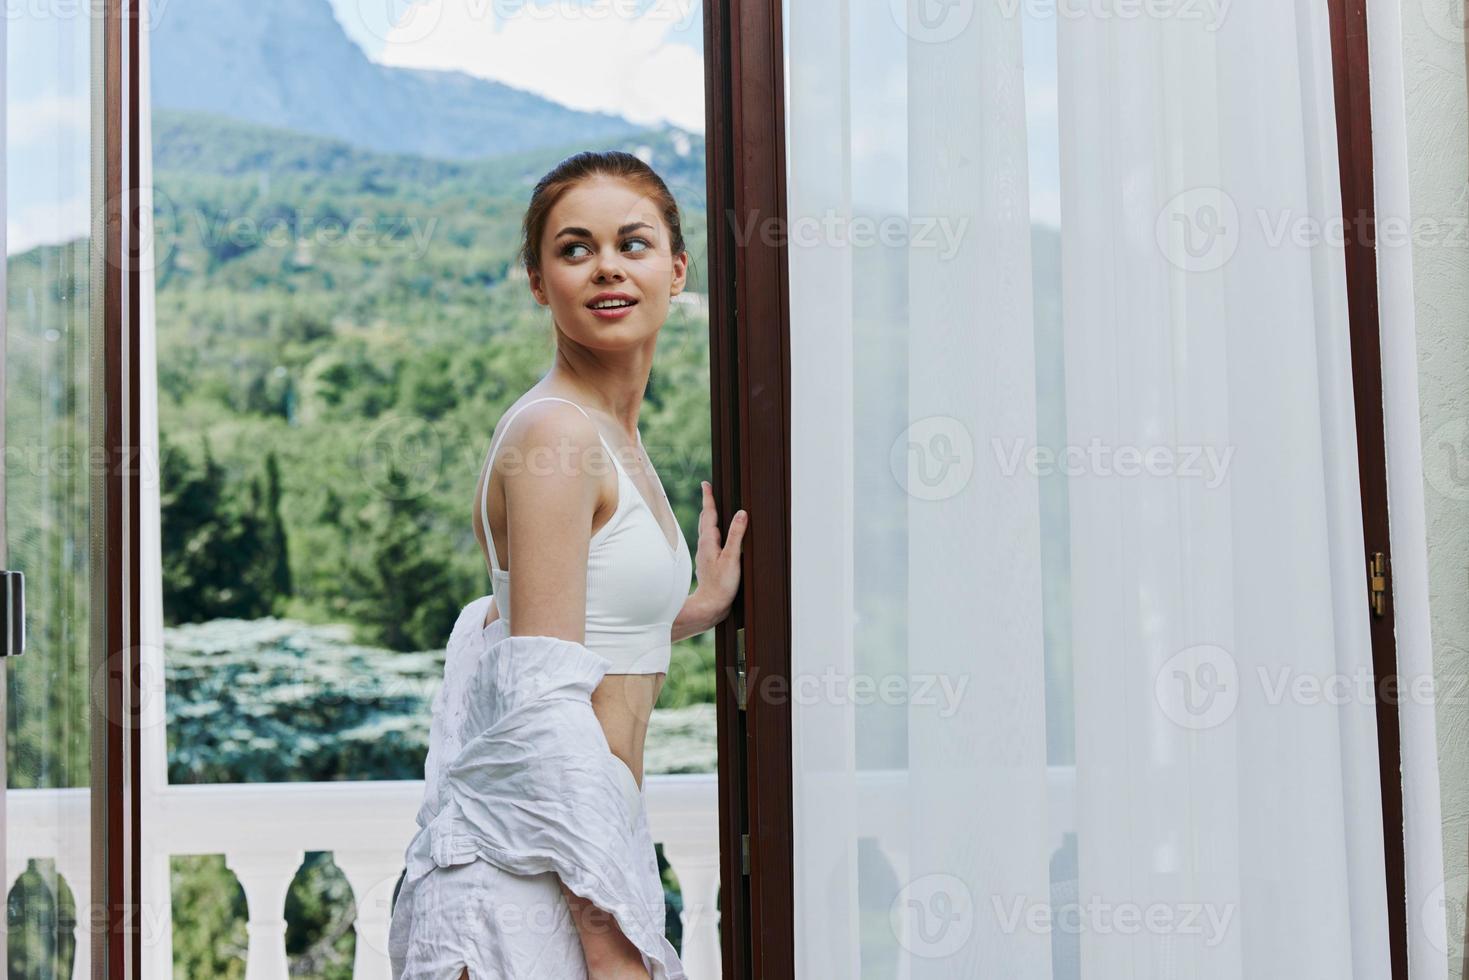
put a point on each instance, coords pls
(745, 853)
(1377, 583)
(740, 696)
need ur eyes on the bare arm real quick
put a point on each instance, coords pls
(693, 619)
(552, 470)
(551, 467)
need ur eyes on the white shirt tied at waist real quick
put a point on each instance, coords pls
(519, 774)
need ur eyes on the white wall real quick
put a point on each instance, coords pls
(1436, 98)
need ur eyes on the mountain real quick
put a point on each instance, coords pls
(189, 147)
(289, 64)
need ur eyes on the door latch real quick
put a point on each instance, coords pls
(740, 696)
(12, 614)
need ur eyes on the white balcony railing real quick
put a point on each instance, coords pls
(265, 829)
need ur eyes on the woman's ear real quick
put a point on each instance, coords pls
(538, 288)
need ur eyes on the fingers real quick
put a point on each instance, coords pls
(708, 516)
(737, 526)
(709, 521)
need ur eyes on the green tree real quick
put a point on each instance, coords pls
(279, 544)
(399, 587)
(209, 915)
(220, 556)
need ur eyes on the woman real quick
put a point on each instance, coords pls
(532, 857)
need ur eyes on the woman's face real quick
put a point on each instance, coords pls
(605, 236)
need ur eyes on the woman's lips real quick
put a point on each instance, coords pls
(613, 313)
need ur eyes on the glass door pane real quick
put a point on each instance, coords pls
(51, 88)
(1078, 625)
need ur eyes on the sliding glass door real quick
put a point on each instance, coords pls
(53, 292)
(1082, 682)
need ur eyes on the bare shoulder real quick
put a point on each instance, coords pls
(549, 441)
(553, 488)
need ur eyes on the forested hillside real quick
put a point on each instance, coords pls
(337, 333)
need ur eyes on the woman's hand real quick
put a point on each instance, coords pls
(716, 566)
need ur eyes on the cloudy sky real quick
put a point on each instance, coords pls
(642, 59)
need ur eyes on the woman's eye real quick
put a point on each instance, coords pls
(566, 250)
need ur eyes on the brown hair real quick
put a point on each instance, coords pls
(579, 167)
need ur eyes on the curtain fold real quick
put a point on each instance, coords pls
(1075, 499)
(825, 747)
(973, 538)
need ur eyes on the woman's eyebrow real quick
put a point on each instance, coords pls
(621, 231)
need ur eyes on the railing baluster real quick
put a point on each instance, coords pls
(75, 868)
(266, 877)
(372, 875)
(697, 867)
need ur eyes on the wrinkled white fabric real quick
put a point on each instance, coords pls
(520, 788)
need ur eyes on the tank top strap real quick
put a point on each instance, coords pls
(484, 500)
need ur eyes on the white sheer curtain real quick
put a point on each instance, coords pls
(1082, 674)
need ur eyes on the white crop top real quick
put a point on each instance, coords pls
(636, 580)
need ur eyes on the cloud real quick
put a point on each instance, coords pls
(49, 223)
(37, 120)
(593, 56)
(48, 182)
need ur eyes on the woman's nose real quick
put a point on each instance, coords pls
(608, 269)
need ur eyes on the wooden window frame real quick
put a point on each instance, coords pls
(749, 385)
(1353, 100)
(750, 388)
(117, 937)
